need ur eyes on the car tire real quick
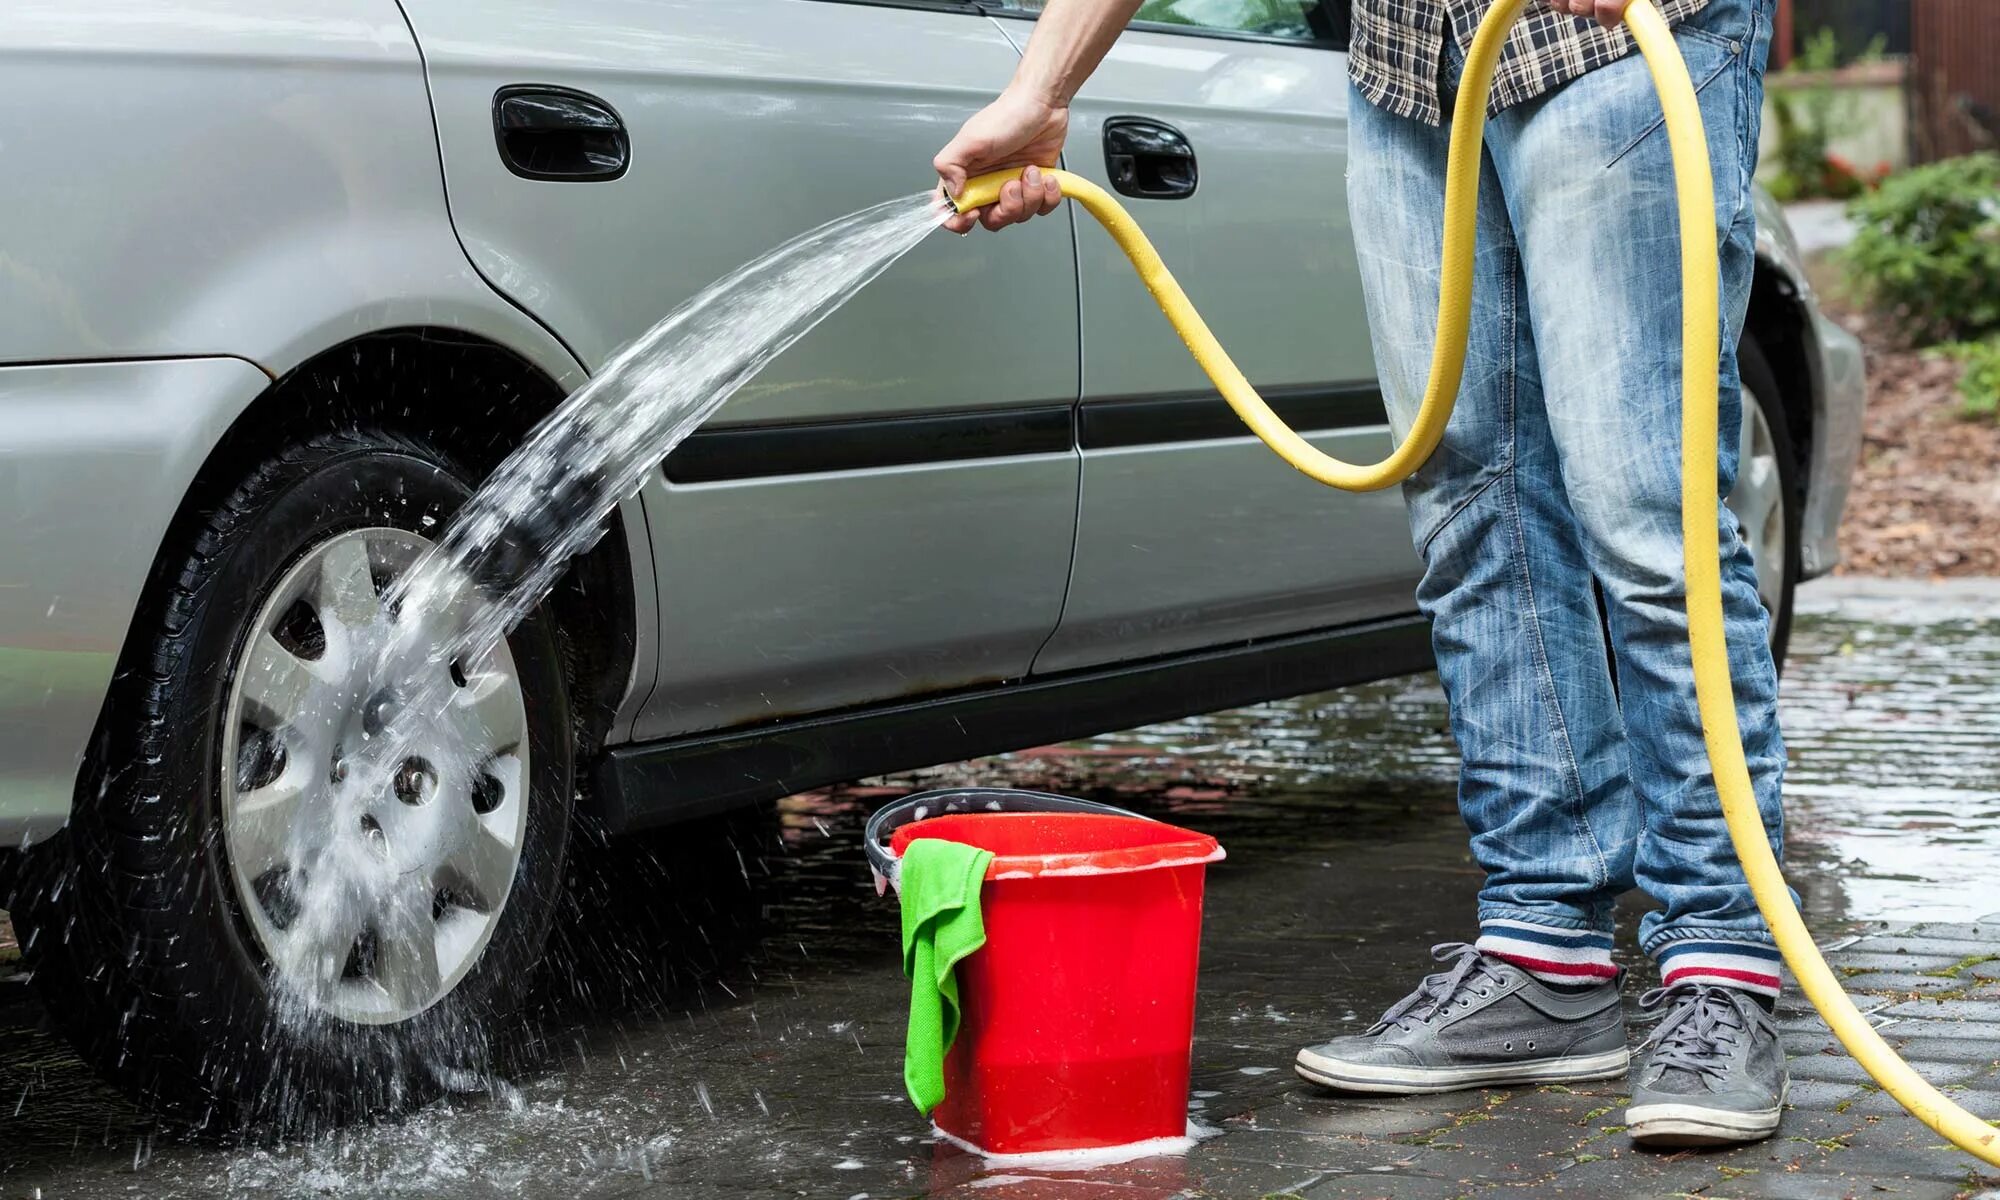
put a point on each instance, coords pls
(1768, 499)
(144, 950)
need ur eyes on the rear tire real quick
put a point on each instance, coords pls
(144, 951)
(1768, 499)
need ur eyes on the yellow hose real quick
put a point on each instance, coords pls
(1700, 330)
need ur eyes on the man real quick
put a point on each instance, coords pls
(1557, 482)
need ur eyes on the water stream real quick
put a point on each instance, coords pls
(503, 553)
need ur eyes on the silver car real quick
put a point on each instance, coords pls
(280, 282)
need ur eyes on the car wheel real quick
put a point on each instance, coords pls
(176, 951)
(1767, 497)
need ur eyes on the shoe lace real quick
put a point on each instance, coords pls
(1697, 1031)
(1468, 971)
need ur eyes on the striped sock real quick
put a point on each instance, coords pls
(1751, 966)
(1561, 956)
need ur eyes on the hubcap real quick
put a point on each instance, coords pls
(1758, 501)
(368, 907)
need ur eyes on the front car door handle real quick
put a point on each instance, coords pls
(1148, 159)
(558, 134)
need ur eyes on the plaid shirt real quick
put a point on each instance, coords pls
(1397, 45)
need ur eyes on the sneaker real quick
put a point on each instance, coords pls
(1717, 1071)
(1480, 1023)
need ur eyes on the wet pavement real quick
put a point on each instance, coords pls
(724, 1016)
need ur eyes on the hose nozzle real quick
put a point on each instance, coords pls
(982, 190)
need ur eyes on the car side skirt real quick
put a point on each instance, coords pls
(660, 783)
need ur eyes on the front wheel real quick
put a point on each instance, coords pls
(187, 954)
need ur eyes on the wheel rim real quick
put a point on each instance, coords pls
(1759, 500)
(369, 908)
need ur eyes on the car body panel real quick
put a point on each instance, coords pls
(217, 182)
(1189, 543)
(1838, 388)
(1841, 399)
(228, 178)
(93, 461)
(751, 122)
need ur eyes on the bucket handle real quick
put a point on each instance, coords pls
(941, 802)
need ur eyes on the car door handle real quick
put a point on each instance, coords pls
(558, 134)
(1148, 159)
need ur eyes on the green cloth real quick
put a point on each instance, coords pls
(939, 889)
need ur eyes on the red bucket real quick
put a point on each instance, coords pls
(1079, 1010)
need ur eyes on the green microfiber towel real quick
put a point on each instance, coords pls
(940, 883)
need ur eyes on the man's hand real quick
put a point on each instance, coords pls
(1609, 13)
(1015, 130)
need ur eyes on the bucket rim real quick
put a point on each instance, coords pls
(917, 807)
(1189, 848)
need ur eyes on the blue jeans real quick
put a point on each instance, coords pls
(1558, 480)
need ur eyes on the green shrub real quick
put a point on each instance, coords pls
(1927, 248)
(1979, 386)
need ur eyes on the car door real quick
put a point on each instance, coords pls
(1191, 532)
(889, 508)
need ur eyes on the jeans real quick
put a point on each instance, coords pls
(1583, 768)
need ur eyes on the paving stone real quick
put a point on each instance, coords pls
(1904, 1028)
(1940, 1164)
(1919, 1050)
(1800, 1043)
(1384, 1187)
(1879, 960)
(1877, 1103)
(1586, 1114)
(1801, 1185)
(1822, 1094)
(1313, 1115)
(1985, 1012)
(1320, 1152)
(1900, 982)
(1624, 1170)
(1950, 949)
(1839, 1068)
(1976, 931)
(1529, 1142)
(1480, 1167)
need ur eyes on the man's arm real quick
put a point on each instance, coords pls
(1026, 125)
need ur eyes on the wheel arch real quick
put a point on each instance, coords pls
(398, 378)
(1780, 322)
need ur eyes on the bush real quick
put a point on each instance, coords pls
(1979, 386)
(1927, 248)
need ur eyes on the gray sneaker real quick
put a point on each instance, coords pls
(1480, 1023)
(1717, 1072)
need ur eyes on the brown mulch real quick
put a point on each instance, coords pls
(1926, 494)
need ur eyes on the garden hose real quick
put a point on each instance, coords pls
(1700, 351)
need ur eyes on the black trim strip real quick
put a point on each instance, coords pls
(1199, 416)
(805, 448)
(645, 786)
(869, 443)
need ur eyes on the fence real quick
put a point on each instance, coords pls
(1954, 79)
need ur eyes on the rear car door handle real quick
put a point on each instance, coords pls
(558, 134)
(1148, 159)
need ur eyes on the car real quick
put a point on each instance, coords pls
(285, 282)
